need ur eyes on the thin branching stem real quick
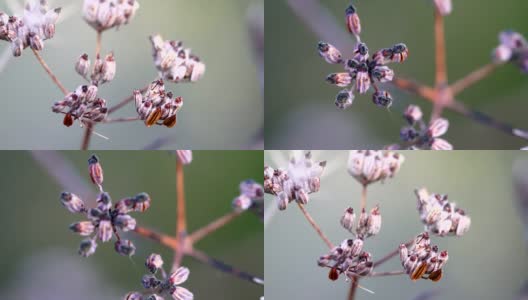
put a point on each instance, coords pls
(389, 273)
(213, 226)
(414, 87)
(165, 240)
(121, 120)
(391, 254)
(125, 101)
(353, 288)
(473, 78)
(363, 197)
(315, 226)
(181, 215)
(50, 73)
(440, 49)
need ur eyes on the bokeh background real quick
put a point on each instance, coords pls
(300, 110)
(222, 111)
(40, 252)
(488, 262)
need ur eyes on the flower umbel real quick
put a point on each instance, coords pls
(251, 198)
(104, 220)
(369, 166)
(106, 14)
(83, 104)
(513, 48)
(36, 25)
(423, 259)
(347, 258)
(167, 285)
(440, 216)
(157, 106)
(301, 178)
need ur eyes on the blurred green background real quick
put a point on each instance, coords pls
(40, 252)
(488, 262)
(300, 110)
(222, 111)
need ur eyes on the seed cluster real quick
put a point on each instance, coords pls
(440, 216)
(36, 25)
(251, 198)
(105, 14)
(360, 69)
(168, 285)
(104, 70)
(368, 224)
(157, 106)
(416, 135)
(301, 178)
(83, 104)
(104, 220)
(348, 258)
(369, 166)
(174, 62)
(423, 259)
(512, 48)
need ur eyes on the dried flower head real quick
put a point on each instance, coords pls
(301, 178)
(104, 70)
(157, 106)
(421, 260)
(167, 285)
(175, 62)
(348, 258)
(105, 14)
(104, 220)
(83, 104)
(368, 166)
(513, 48)
(440, 216)
(36, 25)
(367, 224)
(251, 198)
(417, 135)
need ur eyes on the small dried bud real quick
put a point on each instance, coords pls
(329, 53)
(374, 222)
(352, 21)
(150, 282)
(82, 67)
(242, 203)
(84, 228)
(400, 52)
(408, 134)
(72, 202)
(413, 114)
(104, 232)
(184, 156)
(339, 79)
(502, 54)
(282, 200)
(344, 99)
(444, 6)
(362, 79)
(104, 202)
(382, 99)
(302, 196)
(512, 40)
(441, 144)
(35, 42)
(181, 293)
(125, 222)
(154, 297)
(17, 47)
(109, 68)
(95, 169)
(154, 262)
(438, 127)
(251, 189)
(125, 247)
(179, 276)
(87, 247)
(383, 73)
(133, 296)
(348, 218)
(141, 202)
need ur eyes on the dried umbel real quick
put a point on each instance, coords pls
(36, 25)
(83, 104)
(421, 260)
(157, 106)
(513, 48)
(348, 258)
(301, 178)
(416, 135)
(368, 166)
(251, 198)
(174, 62)
(440, 216)
(103, 71)
(167, 285)
(367, 224)
(104, 220)
(105, 14)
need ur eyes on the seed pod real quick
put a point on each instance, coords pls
(198, 71)
(154, 262)
(141, 202)
(125, 247)
(153, 117)
(35, 42)
(361, 52)
(352, 20)
(72, 202)
(441, 144)
(374, 222)
(344, 99)
(133, 296)
(82, 66)
(49, 31)
(400, 52)
(382, 99)
(104, 232)
(419, 271)
(362, 79)
(109, 68)
(104, 202)
(241, 203)
(95, 170)
(339, 79)
(302, 196)
(184, 156)
(330, 53)
(150, 282)
(179, 276)
(282, 200)
(348, 218)
(435, 275)
(438, 127)
(87, 247)
(125, 222)
(383, 73)
(413, 114)
(91, 93)
(17, 47)
(333, 274)
(68, 120)
(84, 228)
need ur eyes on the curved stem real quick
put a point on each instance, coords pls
(473, 78)
(315, 226)
(391, 254)
(353, 288)
(213, 226)
(50, 73)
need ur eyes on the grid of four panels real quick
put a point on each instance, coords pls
(353, 215)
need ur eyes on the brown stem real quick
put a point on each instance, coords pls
(125, 101)
(440, 50)
(212, 227)
(473, 78)
(414, 87)
(181, 216)
(391, 254)
(363, 197)
(163, 239)
(353, 288)
(315, 226)
(121, 120)
(50, 73)
(389, 273)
